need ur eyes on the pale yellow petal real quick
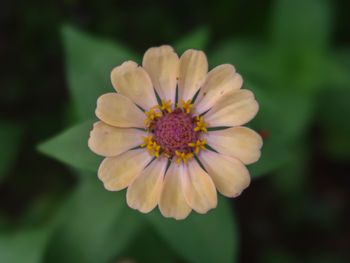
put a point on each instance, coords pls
(233, 109)
(218, 82)
(239, 142)
(118, 110)
(143, 193)
(107, 140)
(117, 172)
(192, 72)
(172, 202)
(162, 65)
(133, 81)
(199, 189)
(230, 176)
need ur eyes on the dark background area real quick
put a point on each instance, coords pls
(277, 222)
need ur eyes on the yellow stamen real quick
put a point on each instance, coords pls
(164, 107)
(152, 115)
(198, 144)
(148, 142)
(187, 106)
(155, 150)
(183, 156)
(201, 125)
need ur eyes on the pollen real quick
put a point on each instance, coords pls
(187, 106)
(198, 145)
(151, 115)
(201, 125)
(164, 107)
(155, 150)
(148, 142)
(174, 133)
(183, 156)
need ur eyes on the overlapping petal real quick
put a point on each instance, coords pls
(162, 65)
(172, 201)
(107, 140)
(239, 142)
(185, 185)
(235, 108)
(133, 82)
(143, 193)
(117, 172)
(198, 188)
(192, 72)
(118, 110)
(230, 176)
(218, 82)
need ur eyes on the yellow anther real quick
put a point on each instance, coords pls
(198, 144)
(152, 115)
(201, 125)
(183, 156)
(164, 107)
(155, 150)
(148, 142)
(187, 106)
(152, 146)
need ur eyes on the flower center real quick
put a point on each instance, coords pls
(174, 133)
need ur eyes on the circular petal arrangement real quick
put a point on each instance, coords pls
(157, 133)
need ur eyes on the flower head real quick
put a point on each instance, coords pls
(139, 136)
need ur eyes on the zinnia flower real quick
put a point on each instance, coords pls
(157, 133)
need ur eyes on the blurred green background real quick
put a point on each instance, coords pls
(56, 57)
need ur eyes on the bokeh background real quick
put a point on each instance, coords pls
(55, 61)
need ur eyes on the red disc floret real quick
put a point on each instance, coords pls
(174, 131)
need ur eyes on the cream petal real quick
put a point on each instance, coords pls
(107, 140)
(198, 187)
(162, 65)
(118, 110)
(218, 82)
(117, 172)
(230, 176)
(192, 71)
(239, 142)
(172, 202)
(133, 81)
(235, 108)
(143, 192)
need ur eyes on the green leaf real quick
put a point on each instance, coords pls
(301, 24)
(244, 54)
(273, 155)
(94, 225)
(89, 61)
(291, 178)
(198, 39)
(10, 141)
(333, 113)
(71, 147)
(334, 108)
(148, 246)
(284, 123)
(338, 69)
(24, 246)
(201, 238)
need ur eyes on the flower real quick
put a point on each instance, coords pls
(168, 153)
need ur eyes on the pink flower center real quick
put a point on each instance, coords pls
(174, 131)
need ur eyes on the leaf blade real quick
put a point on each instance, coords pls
(89, 61)
(71, 147)
(201, 238)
